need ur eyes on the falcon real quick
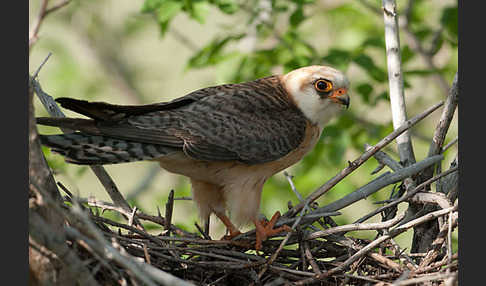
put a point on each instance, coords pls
(227, 139)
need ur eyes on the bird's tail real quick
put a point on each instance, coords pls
(85, 149)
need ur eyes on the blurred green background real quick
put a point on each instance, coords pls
(134, 52)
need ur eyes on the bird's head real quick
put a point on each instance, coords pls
(320, 92)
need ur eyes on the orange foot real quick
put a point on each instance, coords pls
(265, 229)
(230, 236)
(233, 231)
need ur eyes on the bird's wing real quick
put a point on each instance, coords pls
(253, 122)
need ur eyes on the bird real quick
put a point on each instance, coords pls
(227, 139)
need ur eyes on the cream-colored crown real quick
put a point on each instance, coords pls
(299, 84)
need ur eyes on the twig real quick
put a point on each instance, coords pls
(394, 232)
(43, 12)
(56, 6)
(292, 186)
(169, 207)
(450, 144)
(203, 232)
(385, 261)
(282, 244)
(146, 273)
(431, 198)
(132, 216)
(417, 46)
(41, 65)
(395, 80)
(379, 183)
(408, 195)
(356, 226)
(37, 23)
(439, 240)
(444, 123)
(359, 161)
(435, 265)
(145, 182)
(449, 239)
(425, 278)
(385, 159)
(310, 258)
(53, 239)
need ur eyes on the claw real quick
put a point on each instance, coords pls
(265, 229)
(232, 234)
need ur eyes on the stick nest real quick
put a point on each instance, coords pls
(315, 253)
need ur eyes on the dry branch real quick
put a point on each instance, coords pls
(395, 80)
(380, 182)
(43, 12)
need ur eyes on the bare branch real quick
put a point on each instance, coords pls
(443, 125)
(379, 183)
(395, 80)
(394, 232)
(408, 195)
(53, 239)
(356, 226)
(43, 12)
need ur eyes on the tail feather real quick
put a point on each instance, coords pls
(85, 125)
(84, 149)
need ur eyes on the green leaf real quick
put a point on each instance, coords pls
(167, 10)
(226, 6)
(302, 2)
(368, 64)
(382, 96)
(377, 42)
(437, 44)
(365, 90)
(420, 72)
(297, 17)
(297, 62)
(407, 54)
(338, 58)
(151, 5)
(449, 20)
(198, 10)
(212, 53)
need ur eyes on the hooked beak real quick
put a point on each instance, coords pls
(341, 96)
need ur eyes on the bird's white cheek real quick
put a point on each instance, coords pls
(316, 109)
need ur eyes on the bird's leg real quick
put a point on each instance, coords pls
(231, 228)
(264, 229)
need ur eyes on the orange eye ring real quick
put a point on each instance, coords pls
(323, 85)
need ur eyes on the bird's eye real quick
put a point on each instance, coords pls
(323, 85)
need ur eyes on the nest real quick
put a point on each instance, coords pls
(316, 252)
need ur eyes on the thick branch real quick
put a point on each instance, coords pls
(378, 184)
(395, 80)
(443, 125)
(53, 239)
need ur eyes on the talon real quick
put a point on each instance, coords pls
(264, 229)
(230, 236)
(233, 231)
